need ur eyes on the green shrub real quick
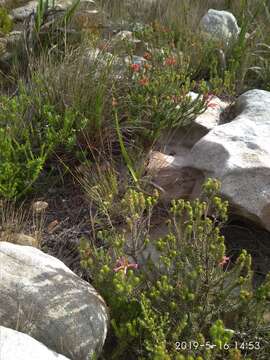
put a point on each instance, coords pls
(153, 97)
(157, 99)
(19, 166)
(6, 23)
(30, 132)
(192, 303)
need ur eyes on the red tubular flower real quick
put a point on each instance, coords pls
(135, 67)
(123, 264)
(170, 61)
(209, 101)
(144, 81)
(212, 105)
(224, 261)
(147, 56)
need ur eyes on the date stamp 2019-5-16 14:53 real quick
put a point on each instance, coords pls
(195, 345)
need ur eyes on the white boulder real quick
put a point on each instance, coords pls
(219, 25)
(238, 153)
(23, 12)
(42, 297)
(19, 346)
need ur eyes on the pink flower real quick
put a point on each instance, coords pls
(209, 101)
(135, 67)
(170, 61)
(123, 264)
(212, 105)
(224, 261)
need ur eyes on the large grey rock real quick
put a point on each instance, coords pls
(219, 25)
(86, 13)
(22, 12)
(42, 297)
(15, 345)
(238, 153)
(11, 4)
